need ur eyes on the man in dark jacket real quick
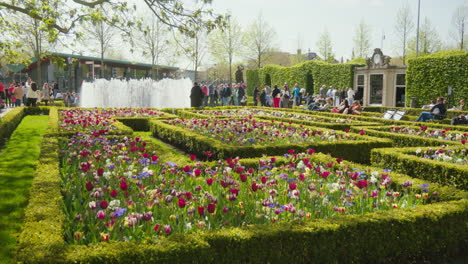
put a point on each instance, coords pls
(196, 96)
(437, 112)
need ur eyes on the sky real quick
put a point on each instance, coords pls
(307, 19)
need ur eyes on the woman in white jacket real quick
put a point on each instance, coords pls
(45, 94)
(350, 96)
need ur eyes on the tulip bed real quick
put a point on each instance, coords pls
(412, 136)
(345, 122)
(249, 137)
(444, 165)
(104, 195)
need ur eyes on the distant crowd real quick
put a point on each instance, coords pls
(218, 94)
(30, 94)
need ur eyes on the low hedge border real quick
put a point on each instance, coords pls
(429, 232)
(41, 240)
(404, 160)
(165, 152)
(141, 123)
(402, 140)
(358, 151)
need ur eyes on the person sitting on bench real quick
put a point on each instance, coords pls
(437, 112)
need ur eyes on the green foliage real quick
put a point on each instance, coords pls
(338, 75)
(136, 123)
(198, 144)
(357, 61)
(19, 159)
(428, 77)
(405, 161)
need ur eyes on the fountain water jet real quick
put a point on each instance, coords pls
(136, 93)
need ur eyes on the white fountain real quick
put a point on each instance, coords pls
(136, 93)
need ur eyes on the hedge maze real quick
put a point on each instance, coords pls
(232, 185)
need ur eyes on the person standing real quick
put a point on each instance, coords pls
(226, 94)
(18, 94)
(10, 97)
(241, 95)
(297, 94)
(285, 95)
(205, 95)
(255, 96)
(329, 93)
(303, 94)
(211, 91)
(350, 96)
(45, 94)
(32, 95)
(196, 95)
(276, 94)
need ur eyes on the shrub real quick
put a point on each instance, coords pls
(429, 76)
(9, 122)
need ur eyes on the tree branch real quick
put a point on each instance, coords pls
(91, 4)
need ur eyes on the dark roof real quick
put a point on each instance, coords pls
(75, 56)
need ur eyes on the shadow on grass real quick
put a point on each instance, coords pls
(17, 163)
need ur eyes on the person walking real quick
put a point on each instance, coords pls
(276, 94)
(18, 94)
(32, 95)
(256, 96)
(196, 95)
(297, 94)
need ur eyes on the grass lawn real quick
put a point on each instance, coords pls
(17, 163)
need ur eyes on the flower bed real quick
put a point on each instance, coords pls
(116, 190)
(412, 136)
(342, 123)
(252, 138)
(444, 165)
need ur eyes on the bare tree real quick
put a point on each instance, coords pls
(324, 46)
(226, 44)
(459, 21)
(103, 34)
(193, 46)
(153, 41)
(362, 40)
(403, 27)
(429, 41)
(259, 41)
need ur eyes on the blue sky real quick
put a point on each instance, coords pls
(306, 19)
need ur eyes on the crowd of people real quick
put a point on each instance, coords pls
(30, 94)
(215, 94)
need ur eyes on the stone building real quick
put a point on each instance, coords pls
(380, 83)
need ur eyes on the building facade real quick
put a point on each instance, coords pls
(380, 83)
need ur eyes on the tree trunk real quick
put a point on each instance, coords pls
(230, 71)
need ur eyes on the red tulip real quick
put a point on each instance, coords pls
(291, 151)
(292, 186)
(113, 193)
(325, 174)
(264, 179)
(100, 172)
(243, 177)
(310, 151)
(211, 208)
(234, 191)
(209, 181)
(362, 132)
(89, 186)
(186, 168)
(181, 203)
(361, 184)
(103, 204)
(123, 186)
(101, 215)
(193, 157)
(197, 172)
(201, 210)
(254, 187)
(154, 158)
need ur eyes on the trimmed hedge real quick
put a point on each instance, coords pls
(358, 150)
(136, 123)
(41, 240)
(9, 122)
(429, 76)
(305, 74)
(432, 232)
(403, 140)
(404, 160)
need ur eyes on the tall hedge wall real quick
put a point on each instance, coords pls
(429, 77)
(310, 74)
